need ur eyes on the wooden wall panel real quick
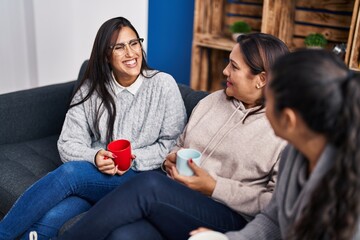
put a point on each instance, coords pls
(249, 11)
(332, 18)
(352, 57)
(323, 18)
(244, 9)
(330, 5)
(331, 34)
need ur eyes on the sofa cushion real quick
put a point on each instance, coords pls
(22, 164)
(190, 97)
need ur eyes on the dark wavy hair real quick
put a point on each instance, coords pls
(98, 71)
(318, 85)
(260, 50)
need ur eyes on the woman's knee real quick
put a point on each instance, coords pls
(152, 180)
(71, 171)
(71, 174)
(138, 230)
(75, 167)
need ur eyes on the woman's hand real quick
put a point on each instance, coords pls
(201, 181)
(199, 230)
(119, 172)
(169, 162)
(105, 163)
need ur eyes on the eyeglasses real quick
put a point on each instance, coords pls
(119, 49)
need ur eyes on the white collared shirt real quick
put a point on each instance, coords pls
(133, 88)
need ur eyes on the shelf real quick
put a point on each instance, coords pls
(290, 21)
(215, 42)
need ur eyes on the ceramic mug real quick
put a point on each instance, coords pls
(122, 150)
(182, 158)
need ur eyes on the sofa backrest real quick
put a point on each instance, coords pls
(33, 113)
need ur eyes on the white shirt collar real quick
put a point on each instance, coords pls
(133, 88)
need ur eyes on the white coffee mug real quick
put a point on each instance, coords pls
(209, 235)
(182, 158)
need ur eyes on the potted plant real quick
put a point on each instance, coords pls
(239, 27)
(315, 40)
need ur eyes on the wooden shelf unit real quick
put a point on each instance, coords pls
(352, 57)
(290, 20)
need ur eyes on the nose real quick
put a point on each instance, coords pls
(128, 50)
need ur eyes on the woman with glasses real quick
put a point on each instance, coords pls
(120, 97)
(237, 172)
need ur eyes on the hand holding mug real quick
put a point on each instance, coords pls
(201, 181)
(119, 172)
(182, 160)
(121, 149)
(103, 161)
(169, 162)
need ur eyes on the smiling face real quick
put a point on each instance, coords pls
(241, 83)
(126, 67)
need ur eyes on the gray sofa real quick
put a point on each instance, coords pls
(30, 124)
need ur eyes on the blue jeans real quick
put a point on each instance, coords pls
(153, 206)
(49, 225)
(61, 194)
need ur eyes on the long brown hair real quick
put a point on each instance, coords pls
(98, 71)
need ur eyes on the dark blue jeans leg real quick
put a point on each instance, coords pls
(142, 229)
(169, 206)
(79, 178)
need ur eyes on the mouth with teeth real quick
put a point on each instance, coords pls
(131, 63)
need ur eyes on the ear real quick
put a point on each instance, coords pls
(261, 80)
(289, 120)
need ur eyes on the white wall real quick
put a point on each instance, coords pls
(45, 41)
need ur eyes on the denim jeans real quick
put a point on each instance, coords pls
(153, 206)
(49, 225)
(61, 194)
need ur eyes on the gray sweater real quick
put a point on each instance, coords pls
(292, 192)
(152, 119)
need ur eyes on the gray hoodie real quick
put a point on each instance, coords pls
(241, 156)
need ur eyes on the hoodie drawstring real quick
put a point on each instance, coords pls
(218, 132)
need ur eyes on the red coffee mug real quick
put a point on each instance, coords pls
(122, 150)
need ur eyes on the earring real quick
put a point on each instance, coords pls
(257, 86)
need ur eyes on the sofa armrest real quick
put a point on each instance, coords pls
(33, 113)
